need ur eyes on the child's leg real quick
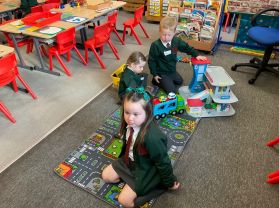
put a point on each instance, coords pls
(177, 79)
(167, 84)
(127, 197)
(109, 175)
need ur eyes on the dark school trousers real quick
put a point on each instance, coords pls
(169, 82)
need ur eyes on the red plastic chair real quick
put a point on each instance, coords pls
(6, 112)
(274, 176)
(65, 42)
(101, 36)
(49, 6)
(132, 23)
(112, 19)
(20, 42)
(9, 72)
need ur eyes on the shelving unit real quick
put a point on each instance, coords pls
(198, 13)
(156, 10)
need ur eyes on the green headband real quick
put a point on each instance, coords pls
(139, 90)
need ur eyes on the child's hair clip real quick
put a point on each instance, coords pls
(139, 90)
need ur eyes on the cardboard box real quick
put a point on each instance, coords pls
(98, 4)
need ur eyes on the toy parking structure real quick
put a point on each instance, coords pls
(83, 167)
(209, 93)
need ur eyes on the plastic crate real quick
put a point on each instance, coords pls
(40, 19)
(116, 75)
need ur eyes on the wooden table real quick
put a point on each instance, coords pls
(5, 50)
(7, 8)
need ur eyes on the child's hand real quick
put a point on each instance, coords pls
(157, 79)
(201, 58)
(175, 185)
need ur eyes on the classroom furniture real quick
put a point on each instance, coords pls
(9, 73)
(112, 18)
(5, 50)
(39, 38)
(274, 176)
(65, 42)
(101, 37)
(7, 9)
(6, 112)
(156, 10)
(266, 37)
(198, 22)
(20, 42)
(133, 22)
(132, 5)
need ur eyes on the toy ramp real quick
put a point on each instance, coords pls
(84, 165)
(201, 95)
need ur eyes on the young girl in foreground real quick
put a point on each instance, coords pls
(147, 165)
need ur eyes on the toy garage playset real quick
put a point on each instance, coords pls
(209, 93)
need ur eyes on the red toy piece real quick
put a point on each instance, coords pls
(274, 176)
(273, 142)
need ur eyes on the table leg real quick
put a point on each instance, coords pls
(10, 15)
(42, 68)
(22, 63)
(83, 37)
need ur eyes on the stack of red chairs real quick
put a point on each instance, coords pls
(274, 176)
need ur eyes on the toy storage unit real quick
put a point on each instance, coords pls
(198, 22)
(115, 76)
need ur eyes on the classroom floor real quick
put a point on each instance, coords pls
(59, 97)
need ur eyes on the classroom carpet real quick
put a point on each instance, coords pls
(84, 165)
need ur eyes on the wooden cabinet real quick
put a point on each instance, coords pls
(131, 5)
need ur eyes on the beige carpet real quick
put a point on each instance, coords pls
(59, 96)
